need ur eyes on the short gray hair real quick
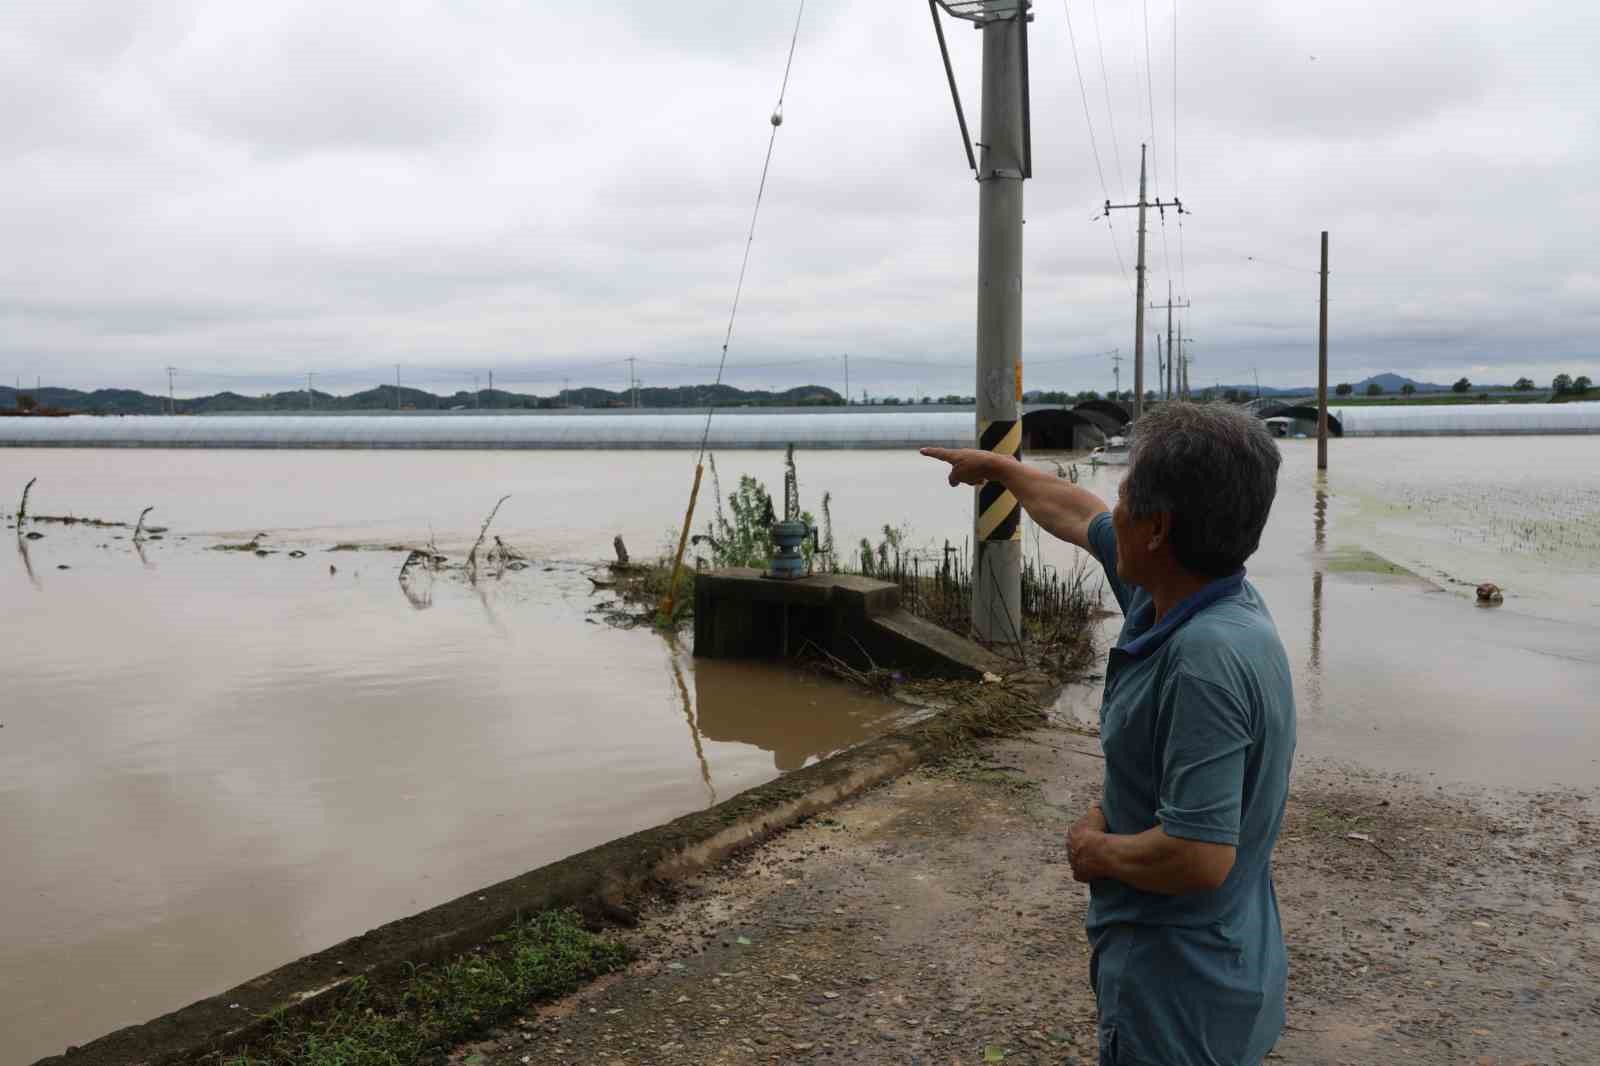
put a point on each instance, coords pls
(1214, 469)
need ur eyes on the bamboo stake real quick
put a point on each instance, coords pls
(683, 542)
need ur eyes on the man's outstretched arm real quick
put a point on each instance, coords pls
(1058, 506)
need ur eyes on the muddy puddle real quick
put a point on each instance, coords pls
(213, 762)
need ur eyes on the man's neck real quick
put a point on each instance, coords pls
(1173, 587)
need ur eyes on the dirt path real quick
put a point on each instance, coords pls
(934, 920)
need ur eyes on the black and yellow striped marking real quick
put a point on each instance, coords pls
(999, 514)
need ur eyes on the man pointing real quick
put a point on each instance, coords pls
(1197, 724)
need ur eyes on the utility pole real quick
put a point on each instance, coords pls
(172, 400)
(1005, 162)
(1161, 367)
(1169, 305)
(1182, 383)
(1116, 371)
(491, 388)
(477, 393)
(397, 386)
(633, 381)
(1322, 363)
(847, 379)
(1138, 307)
(311, 394)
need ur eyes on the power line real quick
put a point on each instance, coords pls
(1093, 146)
(1183, 265)
(1150, 102)
(1105, 80)
(755, 213)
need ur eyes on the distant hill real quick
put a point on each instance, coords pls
(133, 402)
(1395, 383)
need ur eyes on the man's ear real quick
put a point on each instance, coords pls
(1160, 530)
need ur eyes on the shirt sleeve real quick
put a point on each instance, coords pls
(1206, 737)
(1103, 546)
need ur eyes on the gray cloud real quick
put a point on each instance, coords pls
(252, 191)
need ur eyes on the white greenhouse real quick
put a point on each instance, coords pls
(1466, 420)
(644, 430)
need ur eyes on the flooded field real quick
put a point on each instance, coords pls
(212, 762)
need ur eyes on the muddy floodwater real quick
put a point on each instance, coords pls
(213, 762)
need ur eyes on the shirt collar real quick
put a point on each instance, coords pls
(1151, 637)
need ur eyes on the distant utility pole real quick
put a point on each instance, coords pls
(564, 383)
(1184, 359)
(633, 379)
(1138, 307)
(311, 394)
(491, 388)
(1322, 363)
(477, 393)
(1169, 305)
(1182, 382)
(172, 400)
(847, 379)
(1116, 370)
(397, 386)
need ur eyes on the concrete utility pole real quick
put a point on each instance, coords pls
(1183, 384)
(633, 381)
(1002, 168)
(1169, 305)
(1322, 363)
(1005, 142)
(1116, 371)
(847, 379)
(172, 400)
(311, 395)
(1138, 307)
(491, 388)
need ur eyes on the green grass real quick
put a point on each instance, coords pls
(1361, 561)
(437, 1007)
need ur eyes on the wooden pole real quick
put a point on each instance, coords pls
(1322, 363)
(683, 542)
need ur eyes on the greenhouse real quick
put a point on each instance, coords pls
(1465, 420)
(879, 429)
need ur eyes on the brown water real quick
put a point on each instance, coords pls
(212, 763)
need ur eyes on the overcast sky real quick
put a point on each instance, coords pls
(249, 191)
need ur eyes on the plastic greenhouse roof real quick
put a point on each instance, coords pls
(650, 430)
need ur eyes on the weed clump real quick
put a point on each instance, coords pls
(439, 1006)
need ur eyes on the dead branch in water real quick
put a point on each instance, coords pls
(22, 508)
(472, 556)
(138, 529)
(504, 556)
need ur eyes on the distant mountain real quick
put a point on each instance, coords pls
(382, 398)
(1395, 383)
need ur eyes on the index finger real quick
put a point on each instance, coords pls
(945, 454)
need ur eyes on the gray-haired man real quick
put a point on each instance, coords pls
(1198, 728)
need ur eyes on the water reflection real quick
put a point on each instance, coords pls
(1319, 526)
(779, 710)
(689, 716)
(27, 563)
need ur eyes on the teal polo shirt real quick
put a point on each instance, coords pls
(1198, 729)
